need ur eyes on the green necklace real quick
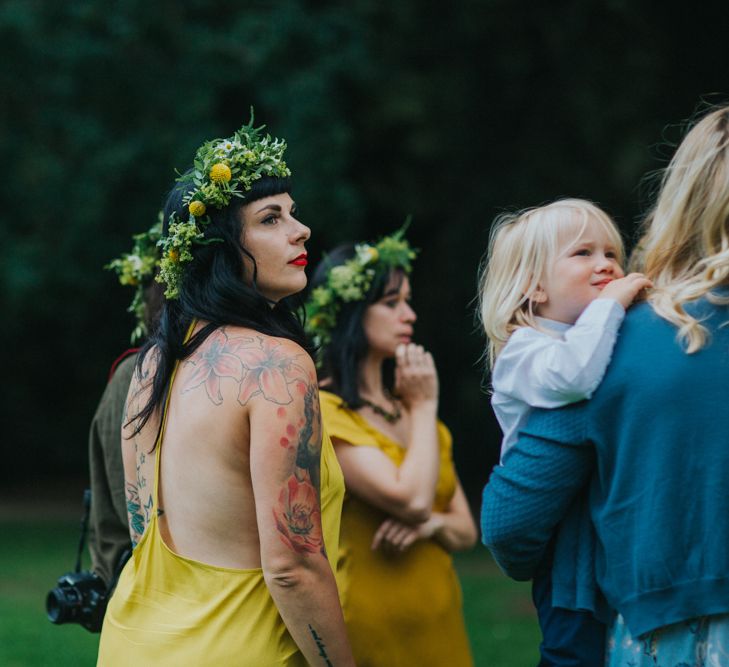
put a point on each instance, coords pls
(389, 417)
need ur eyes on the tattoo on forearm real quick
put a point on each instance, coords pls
(321, 646)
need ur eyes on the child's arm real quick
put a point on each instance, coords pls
(547, 372)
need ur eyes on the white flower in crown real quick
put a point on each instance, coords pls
(366, 254)
(227, 147)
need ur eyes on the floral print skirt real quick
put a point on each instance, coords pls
(699, 642)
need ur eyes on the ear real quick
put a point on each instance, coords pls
(538, 295)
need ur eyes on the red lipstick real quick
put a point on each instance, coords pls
(301, 260)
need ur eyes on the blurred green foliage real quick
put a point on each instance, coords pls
(449, 111)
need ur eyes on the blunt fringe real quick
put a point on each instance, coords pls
(213, 289)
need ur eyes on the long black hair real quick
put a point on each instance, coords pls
(342, 356)
(213, 289)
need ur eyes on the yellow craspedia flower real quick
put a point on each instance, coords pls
(220, 172)
(197, 208)
(373, 253)
(174, 255)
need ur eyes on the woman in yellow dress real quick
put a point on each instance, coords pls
(404, 510)
(233, 488)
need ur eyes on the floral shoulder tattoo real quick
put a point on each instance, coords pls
(262, 367)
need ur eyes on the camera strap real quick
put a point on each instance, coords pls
(84, 528)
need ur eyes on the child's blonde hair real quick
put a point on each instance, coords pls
(684, 249)
(523, 246)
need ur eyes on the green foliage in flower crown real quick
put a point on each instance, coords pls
(136, 269)
(248, 156)
(222, 169)
(352, 280)
(176, 250)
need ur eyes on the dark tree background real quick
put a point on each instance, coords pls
(449, 111)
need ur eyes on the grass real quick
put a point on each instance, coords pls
(501, 621)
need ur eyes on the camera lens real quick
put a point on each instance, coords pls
(61, 605)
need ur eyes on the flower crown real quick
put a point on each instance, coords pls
(222, 169)
(352, 280)
(136, 269)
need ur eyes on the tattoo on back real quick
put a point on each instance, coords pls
(262, 367)
(257, 365)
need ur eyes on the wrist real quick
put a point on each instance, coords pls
(427, 406)
(437, 523)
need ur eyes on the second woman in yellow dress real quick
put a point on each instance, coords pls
(405, 510)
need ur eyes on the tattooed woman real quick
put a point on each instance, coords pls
(233, 489)
(405, 510)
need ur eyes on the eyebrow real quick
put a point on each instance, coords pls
(276, 207)
(395, 292)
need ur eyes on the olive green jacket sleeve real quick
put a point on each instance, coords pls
(108, 528)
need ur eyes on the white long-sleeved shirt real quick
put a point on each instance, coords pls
(548, 370)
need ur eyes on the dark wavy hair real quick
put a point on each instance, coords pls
(341, 357)
(213, 289)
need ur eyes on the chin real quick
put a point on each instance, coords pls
(290, 290)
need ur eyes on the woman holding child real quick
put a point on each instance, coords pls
(649, 446)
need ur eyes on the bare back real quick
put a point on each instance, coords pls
(207, 510)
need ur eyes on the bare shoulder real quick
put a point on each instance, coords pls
(144, 375)
(262, 366)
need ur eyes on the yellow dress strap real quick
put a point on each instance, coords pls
(160, 435)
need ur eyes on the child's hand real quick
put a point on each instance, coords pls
(624, 290)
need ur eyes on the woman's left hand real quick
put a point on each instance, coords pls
(394, 536)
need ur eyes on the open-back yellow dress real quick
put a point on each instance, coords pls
(173, 611)
(401, 610)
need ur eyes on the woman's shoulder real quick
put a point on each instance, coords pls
(342, 423)
(258, 348)
(331, 400)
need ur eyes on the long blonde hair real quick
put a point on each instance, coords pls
(523, 247)
(684, 248)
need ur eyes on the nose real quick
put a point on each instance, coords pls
(300, 232)
(604, 265)
(408, 314)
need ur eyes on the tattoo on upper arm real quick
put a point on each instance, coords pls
(134, 510)
(298, 514)
(138, 496)
(321, 646)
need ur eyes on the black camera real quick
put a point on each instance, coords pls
(79, 597)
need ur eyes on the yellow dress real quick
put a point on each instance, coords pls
(173, 611)
(401, 610)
